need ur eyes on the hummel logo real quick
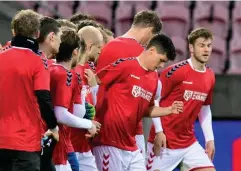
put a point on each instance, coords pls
(135, 77)
(186, 82)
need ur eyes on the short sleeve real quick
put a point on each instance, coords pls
(210, 94)
(41, 76)
(113, 73)
(169, 79)
(77, 89)
(63, 89)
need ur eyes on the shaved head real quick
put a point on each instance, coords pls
(94, 42)
(91, 34)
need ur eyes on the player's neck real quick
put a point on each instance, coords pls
(44, 49)
(198, 65)
(141, 60)
(136, 34)
(66, 65)
(83, 59)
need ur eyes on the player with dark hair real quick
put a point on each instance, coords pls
(49, 39)
(146, 24)
(130, 85)
(28, 99)
(192, 82)
(65, 92)
(76, 18)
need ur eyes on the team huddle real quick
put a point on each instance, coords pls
(73, 97)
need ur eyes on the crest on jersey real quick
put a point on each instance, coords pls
(187, 95)
(136, 91)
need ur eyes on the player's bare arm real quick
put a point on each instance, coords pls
(175, 108)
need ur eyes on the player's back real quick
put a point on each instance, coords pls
(19, 68)
(120, 47)
(126, 101)
(181, 82)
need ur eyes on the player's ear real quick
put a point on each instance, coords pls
(191, 49)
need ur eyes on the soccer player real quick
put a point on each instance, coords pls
(110, 35)
(65, 95)
(191, 82)
(67, 24)
(49, 38)
(24, 96)
(80, 17)
(145, 25)
(130, 86)
(93, 41)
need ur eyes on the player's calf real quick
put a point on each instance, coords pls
(204, 169)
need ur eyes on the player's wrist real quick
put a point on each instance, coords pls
(56, 129)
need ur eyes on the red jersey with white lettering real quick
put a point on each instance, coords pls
(79, 141)
(120, 47)
(130, 91)
(64, 90)
(181, 82)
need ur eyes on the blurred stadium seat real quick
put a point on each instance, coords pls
(175, 19)
(218, 56)
(101, 11)
(214, 17)
(235, 55)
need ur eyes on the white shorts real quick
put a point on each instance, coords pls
(192, 157)
(140, 142)
(62, 167)
(109, 158)
(86, 161)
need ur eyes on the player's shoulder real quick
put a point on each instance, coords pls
(175, 69)
(59, 70)
(124, 62)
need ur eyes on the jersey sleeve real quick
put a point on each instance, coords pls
(113, 73)
(210, 94)
(169, 78)
(77, 89)
(63, 89)
(41, 76)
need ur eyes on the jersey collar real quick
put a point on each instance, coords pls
(25, 42)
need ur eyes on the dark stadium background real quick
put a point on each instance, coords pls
(179, 17)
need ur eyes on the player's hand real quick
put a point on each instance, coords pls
(210, 149)
(53, 132)
(159, 142)
(93, 130)
(90, 76)
(177, 107)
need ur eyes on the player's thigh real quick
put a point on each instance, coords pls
(26, 161)
(62, 167)
(86, 161)
(72, 159)
(140, 142)
(196, 159)
(167, 161)
(5, 160)
(108, 158)
(137, 162)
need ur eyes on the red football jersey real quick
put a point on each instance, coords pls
(129, 91)
(181, 82)
(51, 61)
(22, 73)
(120, 48)
(79, 141)
(64, 90)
